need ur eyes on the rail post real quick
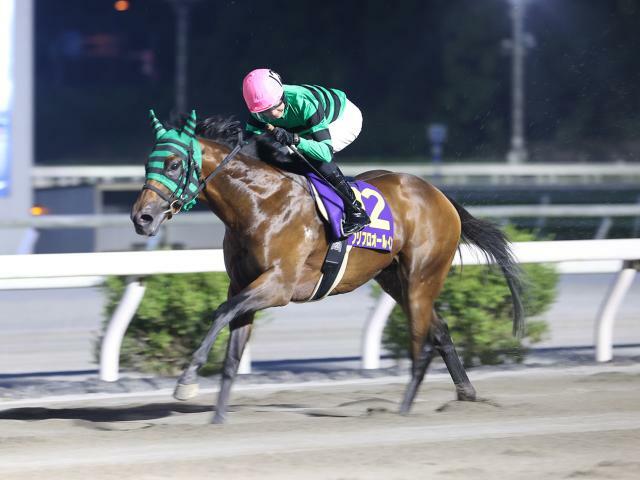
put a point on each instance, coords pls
(609, 309)
(372, 336)
(112, 341)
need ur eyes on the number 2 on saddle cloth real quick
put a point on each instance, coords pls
(378, 235)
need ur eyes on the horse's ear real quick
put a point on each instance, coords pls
(190, 125)
(157, 126)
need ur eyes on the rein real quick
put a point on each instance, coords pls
(182, 196)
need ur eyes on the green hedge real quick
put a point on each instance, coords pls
(476, 303)
(173, 318)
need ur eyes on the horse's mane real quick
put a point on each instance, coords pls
(227, 130)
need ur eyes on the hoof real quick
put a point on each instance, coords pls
(186, 392)
(219, 419)
(404, 410)
(466, 394)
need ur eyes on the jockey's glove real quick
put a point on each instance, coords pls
(285, 137)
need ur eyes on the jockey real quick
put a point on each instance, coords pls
(318, 121)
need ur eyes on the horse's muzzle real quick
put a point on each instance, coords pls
(146, 222)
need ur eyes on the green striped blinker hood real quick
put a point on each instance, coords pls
(183, 144)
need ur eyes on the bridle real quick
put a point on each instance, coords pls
(183, 196)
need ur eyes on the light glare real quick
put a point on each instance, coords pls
(121, 5)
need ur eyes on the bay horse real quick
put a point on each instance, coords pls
(275, 243)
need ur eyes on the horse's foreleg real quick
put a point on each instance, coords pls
(187, 386)
(444, 345)
(266, 291)
(240, 332)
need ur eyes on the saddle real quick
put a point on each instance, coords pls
(378, 235)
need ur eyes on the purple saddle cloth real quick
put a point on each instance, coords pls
(378, 235)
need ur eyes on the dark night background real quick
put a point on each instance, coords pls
(404, 63)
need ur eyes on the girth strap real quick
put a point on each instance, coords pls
(332, 269)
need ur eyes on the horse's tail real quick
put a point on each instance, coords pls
(495, 245)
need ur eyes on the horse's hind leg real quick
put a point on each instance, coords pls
(444, 345)
(429, 333)
(419, 309)
(240, 332)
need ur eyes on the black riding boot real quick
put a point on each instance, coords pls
(355, 216)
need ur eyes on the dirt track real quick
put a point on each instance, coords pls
(581, 422)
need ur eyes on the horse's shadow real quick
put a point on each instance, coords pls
(151, 411)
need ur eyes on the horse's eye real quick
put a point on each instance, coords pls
(174, 166)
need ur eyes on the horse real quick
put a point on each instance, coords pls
(275, 243)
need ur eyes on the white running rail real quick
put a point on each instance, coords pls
(573, 256)
(200, 218)
(72, 269)
(496, 173)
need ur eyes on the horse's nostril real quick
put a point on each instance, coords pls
(145, 218)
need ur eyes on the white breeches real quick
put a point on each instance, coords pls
(346, 128)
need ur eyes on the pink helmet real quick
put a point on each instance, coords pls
(262, 89)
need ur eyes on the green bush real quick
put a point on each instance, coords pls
(476, 303)
(173, 318)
